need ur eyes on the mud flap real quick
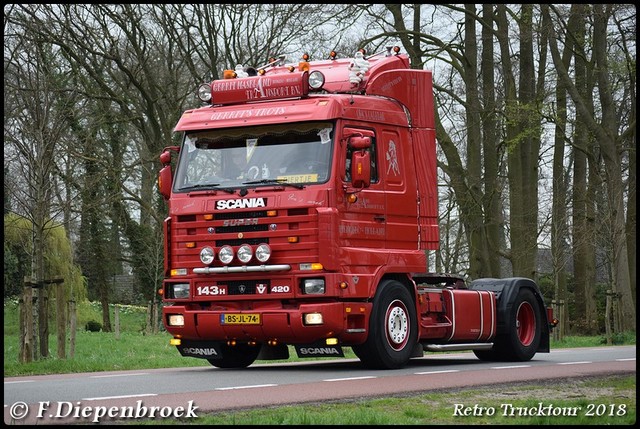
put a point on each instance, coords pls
(418, 351)
(319, 349)
(267, 352)
(200, 349)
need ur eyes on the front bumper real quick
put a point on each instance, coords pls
(346, 321)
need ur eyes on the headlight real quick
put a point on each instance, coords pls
(176, 320)
(207, 255)
(316, 80)
(263, 253)
(245, 253)
(312, 318)
(225, 254)
(313, 286)
(179, 290)
(204, 93)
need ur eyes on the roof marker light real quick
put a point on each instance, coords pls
(304, 64)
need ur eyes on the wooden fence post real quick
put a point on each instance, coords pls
(116, 317)
(72, 328)
(558, 313)
(26, 323)
(149, 318)
(61, 321)
(607, 316)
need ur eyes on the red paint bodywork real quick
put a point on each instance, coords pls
(385, 232)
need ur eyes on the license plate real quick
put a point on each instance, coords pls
(240, 319)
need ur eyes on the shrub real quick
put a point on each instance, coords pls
(93, 326)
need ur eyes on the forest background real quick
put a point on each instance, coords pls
(536, 126)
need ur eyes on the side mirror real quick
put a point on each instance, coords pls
(360, 142)
(165, 177)
(165, 158)
(165, 180)
(361, 169)
(360, 161)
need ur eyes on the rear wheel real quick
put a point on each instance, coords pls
(238, 356)
(392, 329)
(524, 332)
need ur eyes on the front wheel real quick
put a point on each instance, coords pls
(524, 332)
(392, 329)
(238, 356)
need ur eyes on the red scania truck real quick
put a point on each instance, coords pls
(301, 207)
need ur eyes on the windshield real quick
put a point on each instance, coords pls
(264, 155)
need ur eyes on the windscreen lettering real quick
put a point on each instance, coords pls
(248, 113)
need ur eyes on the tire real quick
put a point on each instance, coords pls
(524, 331)
(393, 329)
(238, 356)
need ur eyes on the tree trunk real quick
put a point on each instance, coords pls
(611, 152)
(522, 136)
(478, 252)
(492, 197)
(559, 227)
(583, 202)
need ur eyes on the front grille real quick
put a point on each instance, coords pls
(240, 215)
(242, 228)
(189, 233)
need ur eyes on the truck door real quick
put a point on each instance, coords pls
(397, 174)
(363, 221)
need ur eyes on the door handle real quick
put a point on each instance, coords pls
(379, 218)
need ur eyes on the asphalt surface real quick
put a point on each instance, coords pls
(194, 391)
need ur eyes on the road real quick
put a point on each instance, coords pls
(189, 392)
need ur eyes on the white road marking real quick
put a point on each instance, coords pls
(510, 367)
(244, 387)
(118, 375)
(350, 378)
(120, 397)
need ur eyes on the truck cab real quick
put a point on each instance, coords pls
(302, 202)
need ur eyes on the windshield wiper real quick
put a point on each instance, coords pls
(200, 186)
(273, 182)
